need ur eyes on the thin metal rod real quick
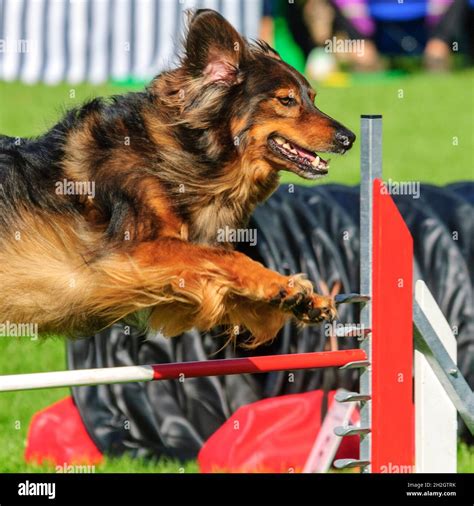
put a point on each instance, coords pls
(371, 168)
(180, 370)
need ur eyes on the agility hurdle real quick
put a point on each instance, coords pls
(385, 356)
(386, 272)
(397, 435)
(179, 370)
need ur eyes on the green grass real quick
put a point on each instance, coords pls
(418, 129)
(418, 145)
(465, 458)
(23, 355)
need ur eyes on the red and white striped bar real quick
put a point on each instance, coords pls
(130, 374)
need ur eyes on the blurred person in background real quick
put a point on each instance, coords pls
(433, 29)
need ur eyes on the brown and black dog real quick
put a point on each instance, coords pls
(170, 166)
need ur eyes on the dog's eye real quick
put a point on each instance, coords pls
(287, 101)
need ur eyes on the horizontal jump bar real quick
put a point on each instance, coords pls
(178, 370)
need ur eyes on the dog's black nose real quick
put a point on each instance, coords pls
(345, 138)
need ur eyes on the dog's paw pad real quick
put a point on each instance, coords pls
(291, 299)
(318, 310)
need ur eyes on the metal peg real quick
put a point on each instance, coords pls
(350, 430)
(350, 298)
(355, 364)
(351, 397)
(350, 463)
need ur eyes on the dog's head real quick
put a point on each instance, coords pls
(248, 101)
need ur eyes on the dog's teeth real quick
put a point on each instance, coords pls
(315, 162)
(279, 141)
(287, 146)
(293, 150)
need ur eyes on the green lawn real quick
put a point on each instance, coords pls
(420, 132)
(428, 134)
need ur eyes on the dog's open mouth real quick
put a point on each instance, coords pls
(308, 164)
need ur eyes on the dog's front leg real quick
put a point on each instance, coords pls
(192, 285)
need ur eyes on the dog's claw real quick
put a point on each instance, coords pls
(307, 307)
(292, 303)
(314, 313)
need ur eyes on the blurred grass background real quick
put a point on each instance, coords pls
(423, 117)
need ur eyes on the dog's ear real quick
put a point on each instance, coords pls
(213, 48)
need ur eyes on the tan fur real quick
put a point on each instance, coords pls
(45, 272)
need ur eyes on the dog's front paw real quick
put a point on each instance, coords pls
(298, 298)
(316, 309)
(295, 292)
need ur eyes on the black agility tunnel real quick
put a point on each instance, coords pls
(299, 229)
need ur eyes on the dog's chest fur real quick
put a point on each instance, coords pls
(207, 222)
(229, 210)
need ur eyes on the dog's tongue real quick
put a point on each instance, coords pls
(305, 153)
(313, 158)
